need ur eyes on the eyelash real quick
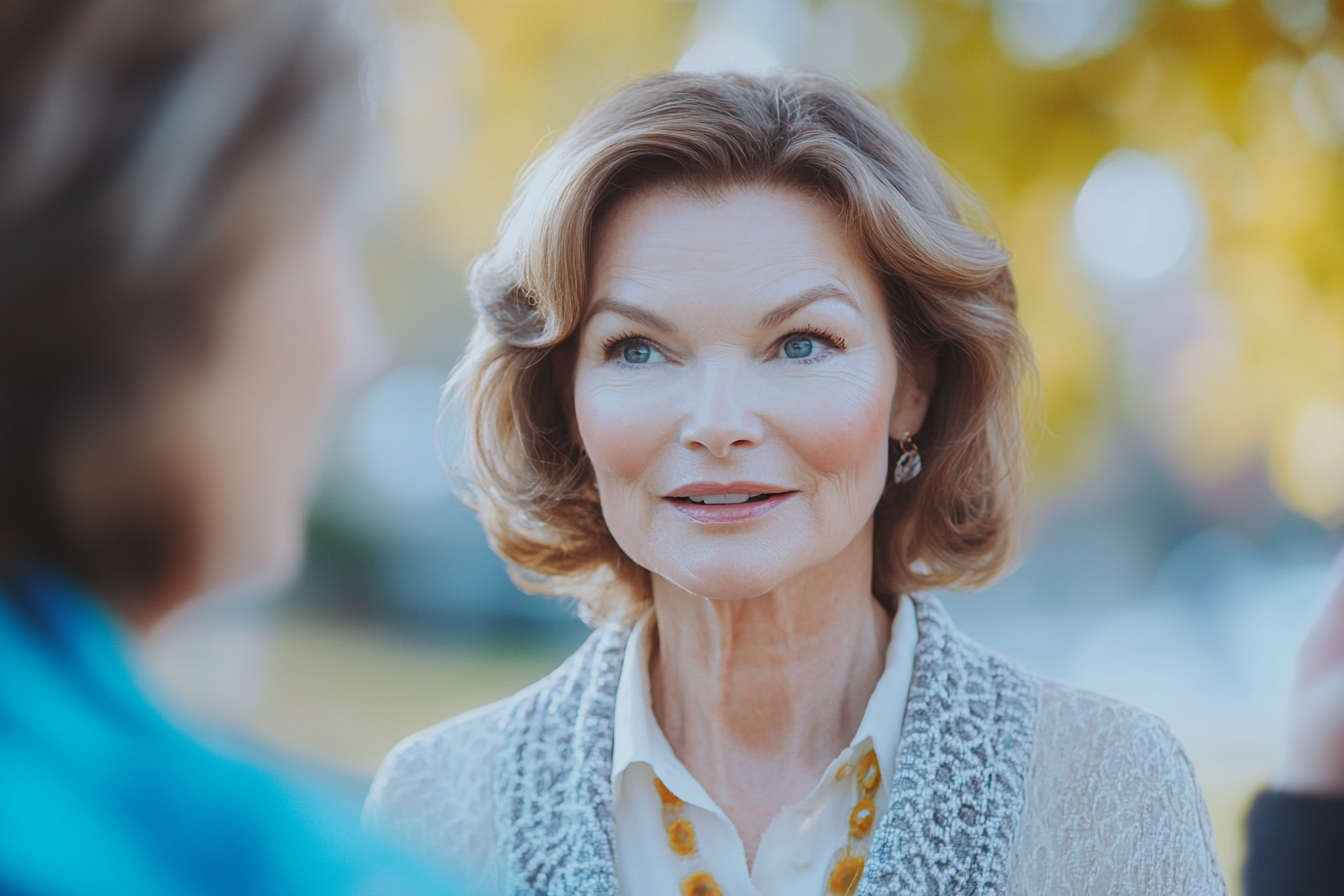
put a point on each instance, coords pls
(816, 332)
(612, 343)
(609, 344)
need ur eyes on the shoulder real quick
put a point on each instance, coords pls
(429, 762)
(1112, 803)
(1122, 755)
(433, 793)
(1076, 726)
(1104, 798)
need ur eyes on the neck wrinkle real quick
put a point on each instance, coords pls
(760, 695)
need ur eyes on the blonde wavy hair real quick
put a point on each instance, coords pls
(950, 295)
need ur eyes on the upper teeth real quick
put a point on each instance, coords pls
(720, 499)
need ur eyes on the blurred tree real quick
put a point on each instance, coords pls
(1234, 360)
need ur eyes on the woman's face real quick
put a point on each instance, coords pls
(736, 387)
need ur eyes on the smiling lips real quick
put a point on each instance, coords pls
(724, 499)
(735, 502)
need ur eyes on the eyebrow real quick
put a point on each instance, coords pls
(771, 319)
(633, 312)
(802, 300)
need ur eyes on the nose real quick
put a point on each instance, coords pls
(720, 417)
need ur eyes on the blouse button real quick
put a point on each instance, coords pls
(802, 858)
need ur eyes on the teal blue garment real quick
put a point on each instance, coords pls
(100, 794)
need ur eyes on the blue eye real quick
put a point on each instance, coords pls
(637, 354)
(798, 347)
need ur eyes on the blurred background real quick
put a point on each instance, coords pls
(1170, 177)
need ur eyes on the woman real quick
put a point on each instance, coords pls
(745, 383)
(174, 305)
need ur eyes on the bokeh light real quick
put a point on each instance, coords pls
(1062, 32)
(871, 44)
(1136, 221)
(1318, 98)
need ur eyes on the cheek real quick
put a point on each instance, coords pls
(620, 428)
(842, 433)
(269, 416)
(310, 335)
(297, 358)
(625, 437)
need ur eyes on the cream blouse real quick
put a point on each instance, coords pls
(799, 848)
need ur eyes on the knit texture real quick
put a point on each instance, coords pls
(959, 785)
(1005, 783)
(957, 794)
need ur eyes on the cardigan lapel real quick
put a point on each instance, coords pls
(553, 797)
(957, 791)
(959, 783)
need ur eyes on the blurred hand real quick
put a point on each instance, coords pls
(1314, 762)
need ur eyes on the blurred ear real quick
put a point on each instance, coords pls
(917, 379)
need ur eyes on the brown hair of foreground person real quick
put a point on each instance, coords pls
(149, 150)
(951, 301)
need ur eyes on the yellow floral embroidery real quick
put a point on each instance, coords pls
(681, 836)
(861, 819)
(847, 867)
(670, 799)
(869, 774)
(699, 884)
(844, 878)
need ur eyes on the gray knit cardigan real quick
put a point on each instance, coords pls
(1005, 783)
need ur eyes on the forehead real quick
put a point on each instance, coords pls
(750, 242)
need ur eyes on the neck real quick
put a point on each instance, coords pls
(758, 696)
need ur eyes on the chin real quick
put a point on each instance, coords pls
(728, 575)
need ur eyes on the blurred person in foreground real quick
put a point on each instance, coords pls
(1296, 830)
(176, 303)
(746, 382)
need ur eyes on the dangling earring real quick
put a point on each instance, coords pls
(908, 465)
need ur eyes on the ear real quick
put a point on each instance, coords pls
(914, 384)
